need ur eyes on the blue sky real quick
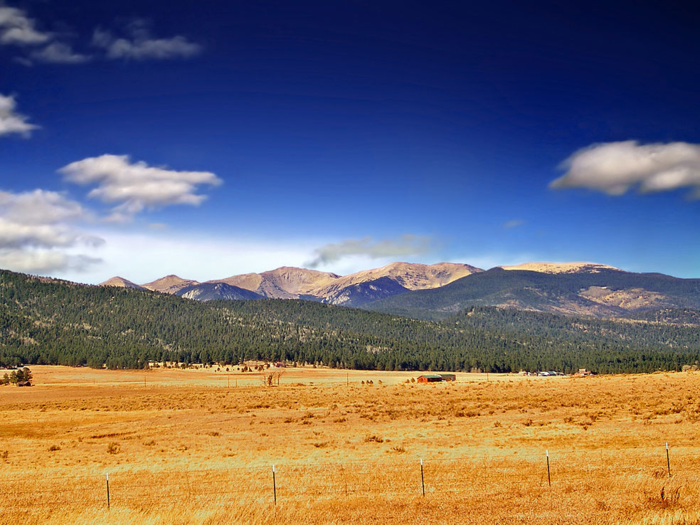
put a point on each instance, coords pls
(149, 138)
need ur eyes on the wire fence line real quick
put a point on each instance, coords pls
(398, 477)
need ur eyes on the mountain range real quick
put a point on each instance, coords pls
(440, 290)
(355, 290)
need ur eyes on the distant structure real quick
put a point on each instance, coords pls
(430, 378)
(583, 372)
(448, 377)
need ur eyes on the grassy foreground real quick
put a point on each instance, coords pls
(197, 446)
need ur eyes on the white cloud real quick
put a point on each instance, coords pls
(35, 229)
(45, 262)
(149, 255)
(405, 246)
(10, 121)
(135, 185)
(17, 29)
(139, 45)
(59, 53)
(617, 167)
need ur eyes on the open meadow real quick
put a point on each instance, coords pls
(198, 446)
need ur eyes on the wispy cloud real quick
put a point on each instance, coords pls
(135, 186)
(405, 246)
(140, 45)
(10, 120)
(617, 167)
(513, 224)
(37, 227)
(19, 30)
(16, 28)
(147, 255)
(59, 53)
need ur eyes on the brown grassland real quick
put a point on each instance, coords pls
(197, 446)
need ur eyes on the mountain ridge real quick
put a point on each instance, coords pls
(169, 284)
(439, 290)
(289, 282)
(120, 282)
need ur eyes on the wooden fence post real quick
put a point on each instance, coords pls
(422, 479)
(274, 484)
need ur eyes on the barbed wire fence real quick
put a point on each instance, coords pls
(399, 477)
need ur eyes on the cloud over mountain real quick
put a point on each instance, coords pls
(617, 167)
(404, 246)
(136, 186)
(37, 227)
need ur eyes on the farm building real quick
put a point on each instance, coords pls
(448, 377)
(430, 378)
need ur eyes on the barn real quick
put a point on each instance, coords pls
(430, 378)
(448, 377)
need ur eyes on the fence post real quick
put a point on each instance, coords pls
(422, 480)
(274, 484)
(345, 481)
(549, 475)
(668, 461)
(107, 478)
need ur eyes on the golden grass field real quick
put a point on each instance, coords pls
(197, 446)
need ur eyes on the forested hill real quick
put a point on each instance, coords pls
(54, 322)
(599, 292)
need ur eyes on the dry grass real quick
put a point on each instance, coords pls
(181, 447)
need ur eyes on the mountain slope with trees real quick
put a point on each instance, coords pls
(600, 292)
(45, 321)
